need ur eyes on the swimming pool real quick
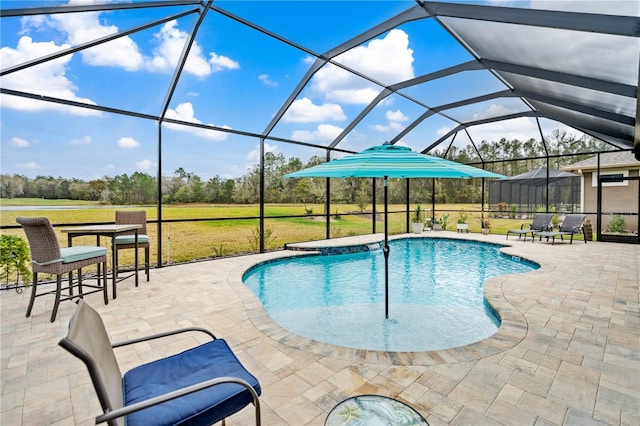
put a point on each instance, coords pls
(436, 298)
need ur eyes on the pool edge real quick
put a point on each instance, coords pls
(512, 330)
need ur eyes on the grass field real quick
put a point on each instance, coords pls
(205, 237)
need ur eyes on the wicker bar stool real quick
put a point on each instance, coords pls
(47, 257)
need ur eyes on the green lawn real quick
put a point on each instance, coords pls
(186, 241)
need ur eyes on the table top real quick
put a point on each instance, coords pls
(373, 410)
(100, 229)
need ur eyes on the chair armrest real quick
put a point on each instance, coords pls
(120, 412)
(525, 226)
(160, 335)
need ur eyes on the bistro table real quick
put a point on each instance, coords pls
(110, 231)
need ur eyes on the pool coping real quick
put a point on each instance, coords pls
(512, 330)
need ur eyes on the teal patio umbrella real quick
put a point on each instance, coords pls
(392, 161)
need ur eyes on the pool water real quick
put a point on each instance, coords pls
(436, 298)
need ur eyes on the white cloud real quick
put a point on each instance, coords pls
(518, 128)
(85, 140)
(84, 27)
(171, 41)
(219, 62)
(267, 80)
(184, 112)
(494, 110)
(395, 118)
(145, 165)
(123, 52)
(32, 165)
(19, 142)
(305, 111)
(522, 128)
(128, 143)
(48, 79)
(323, 133)
(373, 59)
(254, 155)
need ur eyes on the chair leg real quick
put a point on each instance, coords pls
(70, 282)
(80, 292)
(115, 263)
(146, 262)
(57, 301)
(104, 279)
(32, 299)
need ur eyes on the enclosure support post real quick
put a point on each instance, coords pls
(159, 183)
(599, 203)
(262, 195)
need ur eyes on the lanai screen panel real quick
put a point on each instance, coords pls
(582, 70)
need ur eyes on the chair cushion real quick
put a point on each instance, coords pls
(77, 253)
(131, 239)
(208, 361)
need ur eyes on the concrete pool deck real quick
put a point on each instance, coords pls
(568, 351)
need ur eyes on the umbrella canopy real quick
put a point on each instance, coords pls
(393, 161)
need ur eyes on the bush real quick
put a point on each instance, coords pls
(14, 257)
(513, 211)
(617, 224)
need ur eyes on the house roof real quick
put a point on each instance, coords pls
(541, 174)
(608, 160)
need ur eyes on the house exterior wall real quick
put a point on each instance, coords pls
(618, 197)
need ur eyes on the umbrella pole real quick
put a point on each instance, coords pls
(386, 251)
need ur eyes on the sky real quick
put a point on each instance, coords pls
(235, 78)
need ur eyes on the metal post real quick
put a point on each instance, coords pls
(159, 192)
(386, 252)
(261, 195)
(373, 209)
(408, 207)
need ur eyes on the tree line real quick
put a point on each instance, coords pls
(508, 157)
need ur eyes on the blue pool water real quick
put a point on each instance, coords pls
(436, 298)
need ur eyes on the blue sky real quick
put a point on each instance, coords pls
(235, 78)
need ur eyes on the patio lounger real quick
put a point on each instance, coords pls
(542, 222)
(200, 386)
(572, 224)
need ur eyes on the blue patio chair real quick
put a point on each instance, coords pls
(542, 222)
(200, 386)
(573, 224)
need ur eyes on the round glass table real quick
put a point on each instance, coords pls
(373, 410)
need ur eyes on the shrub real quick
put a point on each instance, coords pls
(14, 256)
(617, 224)
(513, 210)
(463, 216)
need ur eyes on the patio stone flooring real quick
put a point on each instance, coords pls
(567, 353)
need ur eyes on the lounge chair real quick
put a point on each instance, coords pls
(199, 386)
(572, 224)
(542, 222)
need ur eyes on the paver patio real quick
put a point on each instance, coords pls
(568, 351)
